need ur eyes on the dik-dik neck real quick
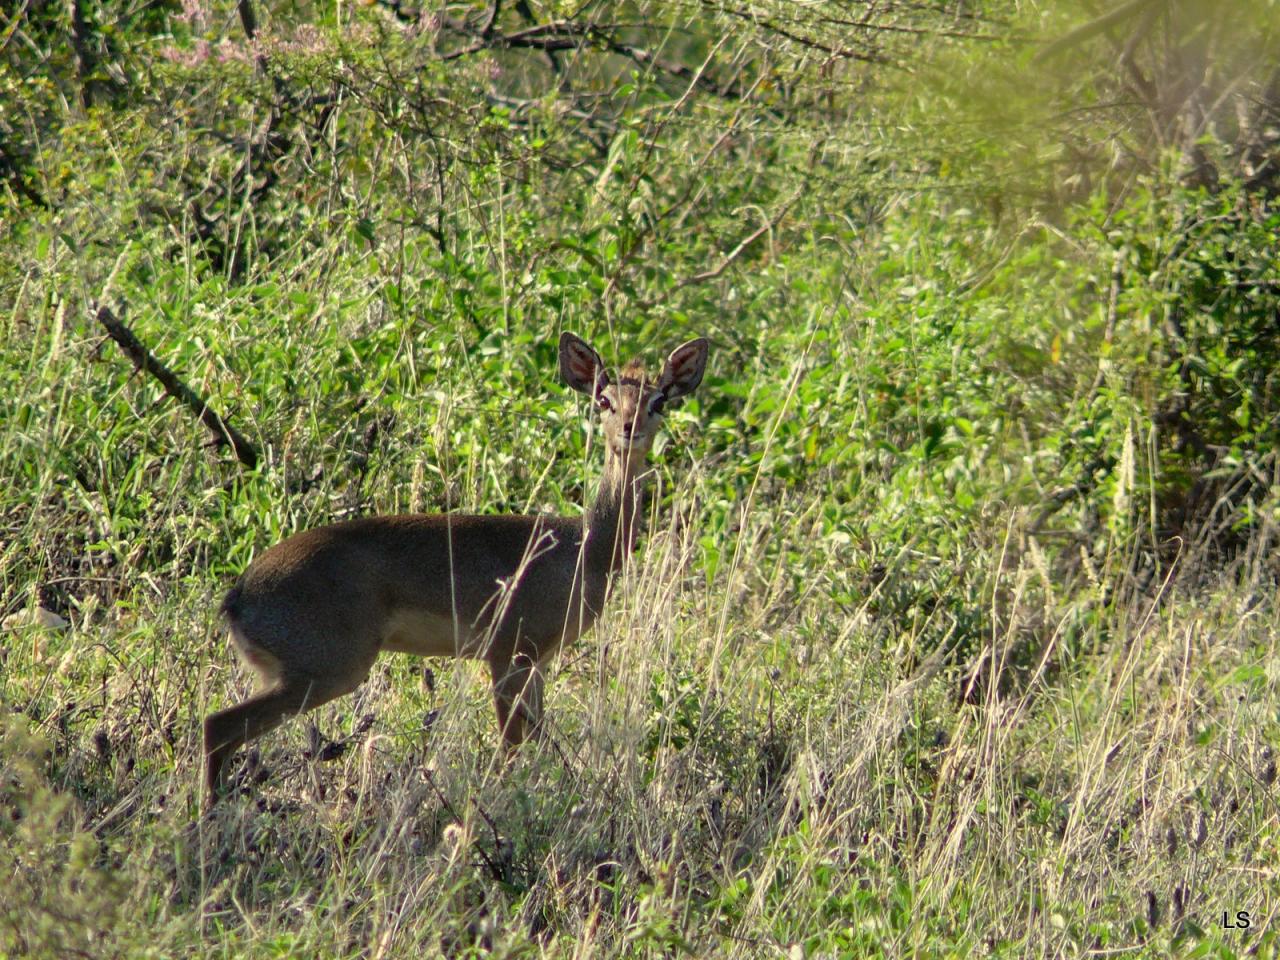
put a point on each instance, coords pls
(614, 518)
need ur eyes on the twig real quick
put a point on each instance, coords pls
(1091, 29)
(562, 35)
(491, 19)
(495, 870)
(144, 359)
(834, 52)
(737, 251)
(1060, 498)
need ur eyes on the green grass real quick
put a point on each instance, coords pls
(754, 750)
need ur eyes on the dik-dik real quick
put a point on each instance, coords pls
(312, 614)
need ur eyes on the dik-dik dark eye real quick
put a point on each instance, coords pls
(657, 403)
(604, 402)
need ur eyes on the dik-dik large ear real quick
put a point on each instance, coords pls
(580, 366)
(683, 370)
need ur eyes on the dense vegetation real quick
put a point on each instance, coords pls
(954, 630)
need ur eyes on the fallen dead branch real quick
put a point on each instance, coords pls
(143, 359)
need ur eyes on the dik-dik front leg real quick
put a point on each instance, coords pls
(517, 697)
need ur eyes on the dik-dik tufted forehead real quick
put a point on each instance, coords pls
(633, 374)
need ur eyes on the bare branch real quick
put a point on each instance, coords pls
(492, 19)
(836, 53)
(143, 359)
(1088, 31)
(741, 248)
(567, 35)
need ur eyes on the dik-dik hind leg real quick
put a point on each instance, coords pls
(227, 730)
(517, 697)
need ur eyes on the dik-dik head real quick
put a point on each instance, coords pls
(631, 406)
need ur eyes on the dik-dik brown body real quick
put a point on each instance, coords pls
(312, 614)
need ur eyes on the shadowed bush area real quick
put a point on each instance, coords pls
(953, 627)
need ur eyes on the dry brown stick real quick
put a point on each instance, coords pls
(728, 259)
(144, 359)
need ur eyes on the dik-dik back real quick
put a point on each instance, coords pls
(431, 585)
(312, 614)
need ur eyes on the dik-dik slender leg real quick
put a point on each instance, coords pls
(517, 697)
(227, 730)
